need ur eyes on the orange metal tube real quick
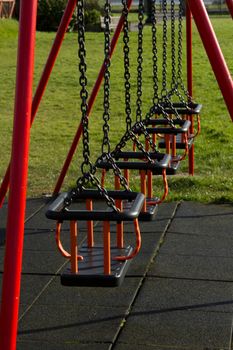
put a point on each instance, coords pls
(168, 143)
(143, 187)
(186, 149)
(165, 193)
(103, 177)
(126, 173)
(63, 252)
(90, 225)
(149, 184)
(74, 246)
(198, 128)
(120, 225)
(173, 145)
(107, 248)
(138, 244)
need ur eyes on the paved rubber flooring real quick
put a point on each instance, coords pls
(177, 294)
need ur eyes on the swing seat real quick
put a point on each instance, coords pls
(91, 267)
(179, 143)
(155, 168)
(161, 126)
(59, 212)
(162, 162)
(190, 108)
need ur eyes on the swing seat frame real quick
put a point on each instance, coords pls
(96, 267)
(190, 108)
(156, 168)
(162, 126)
(58, 209)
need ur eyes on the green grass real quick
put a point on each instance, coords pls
(59, 116)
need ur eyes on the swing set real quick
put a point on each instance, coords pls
(169, 124)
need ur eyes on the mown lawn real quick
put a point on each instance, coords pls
(59, 116)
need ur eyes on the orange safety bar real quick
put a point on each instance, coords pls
(198, 128)
(138, 244)
(143, 187)
(90, 225)
(165, 193)
(63, 252)
(107, 248)
(120, 225)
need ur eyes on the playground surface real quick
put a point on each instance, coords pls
(177, 294)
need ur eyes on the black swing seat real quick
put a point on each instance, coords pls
(91, 268)
(58, 209)
(155, 168)
(162, 126)
(190, 108)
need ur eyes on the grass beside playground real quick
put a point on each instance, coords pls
(59, 113)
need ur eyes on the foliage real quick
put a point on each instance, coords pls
(50, 12)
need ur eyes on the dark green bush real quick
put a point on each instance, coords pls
(50, 12)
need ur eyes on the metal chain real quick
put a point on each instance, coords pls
(87, 168)
(106, 105)
(140, 60)
(140, 127)
(173, 45)
(106, 155)
(154, 52)
(180, 53)
(174, 83)
(164, 93)
(164, 54)
(86, 165)
(125, 12)
(130, 135)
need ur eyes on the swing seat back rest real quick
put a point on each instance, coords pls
(59, 211)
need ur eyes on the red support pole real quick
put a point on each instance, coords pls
(190, 78)
(91, 102)
(230, 6)
(213, 51)
(44, 80)
(18, 178)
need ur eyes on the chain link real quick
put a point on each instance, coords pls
(154, 52)
(83, 84)
(140, 61)
(107, 62)
(87, 168)
(125, 12)
(180, 53)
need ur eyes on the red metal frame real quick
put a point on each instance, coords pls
(19, 171)
(213, 51)
(230, 6)
(44, 80)
(91, 101)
